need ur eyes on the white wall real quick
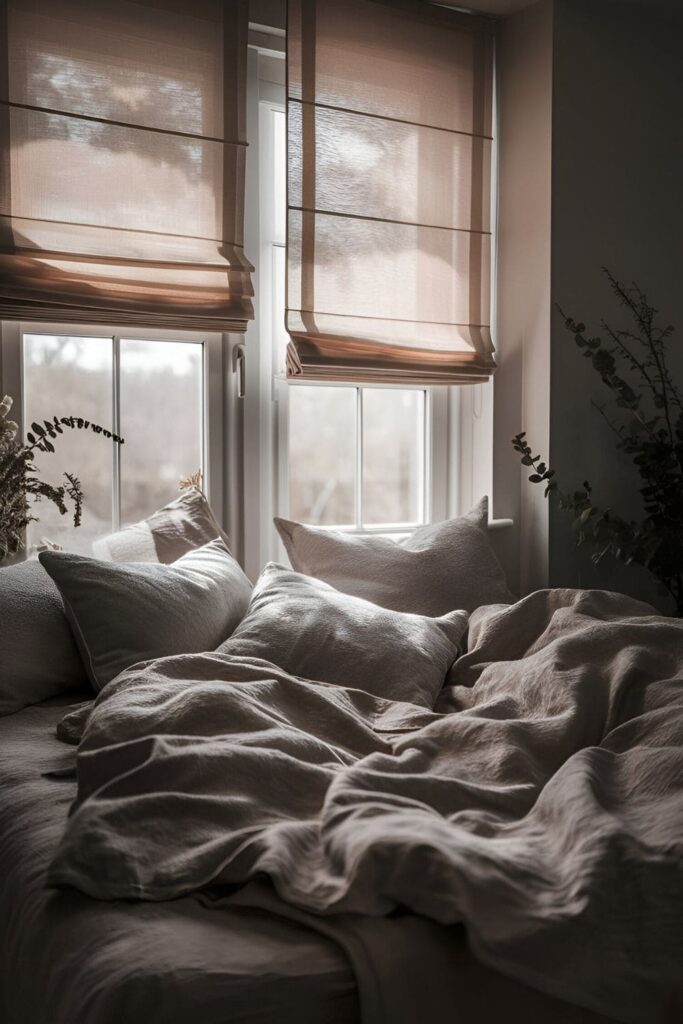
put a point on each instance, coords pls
(522, 382)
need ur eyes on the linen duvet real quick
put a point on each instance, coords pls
(540, 803)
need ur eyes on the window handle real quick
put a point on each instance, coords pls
(239, 367)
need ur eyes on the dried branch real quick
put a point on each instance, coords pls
(20, 485)
(649, 433)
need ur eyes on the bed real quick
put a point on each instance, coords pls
(356, 794)
(69, 958)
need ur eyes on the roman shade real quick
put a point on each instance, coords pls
(389, 106)
(122, 156)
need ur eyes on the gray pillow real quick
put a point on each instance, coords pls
(184, 524)
(122, 613)
(309, 629)
(440, 567)
(38, 656)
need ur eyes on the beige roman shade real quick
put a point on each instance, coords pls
(122, 154)
(389, 149)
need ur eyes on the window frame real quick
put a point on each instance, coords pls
(244, 436)
(272, 463)
(432, 500)
(212, 439)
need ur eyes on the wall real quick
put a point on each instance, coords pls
(617, 170)
(522, 382)
(591, 97)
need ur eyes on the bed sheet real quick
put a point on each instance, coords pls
(69, 959)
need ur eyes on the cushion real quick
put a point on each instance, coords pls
(309, 629)
(185, 523)
(122, 613)
(38, 655)
(440, 567)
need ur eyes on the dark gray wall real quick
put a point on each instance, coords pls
(617, 200)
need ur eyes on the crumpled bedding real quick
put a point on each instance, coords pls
(540, 803)
(69, 959)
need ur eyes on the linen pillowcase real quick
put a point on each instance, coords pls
(123, 613)
(440, 567)
(309, 629)
(184, 524)
(38, 656)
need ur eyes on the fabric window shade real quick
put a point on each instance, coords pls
(122, 148)
(389, 108)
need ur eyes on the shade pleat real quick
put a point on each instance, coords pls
(389, 119)
(122, 154)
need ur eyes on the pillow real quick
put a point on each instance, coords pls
(122, 613)
(440, 567)
(38, 656)
(309, 629)
(184, 524)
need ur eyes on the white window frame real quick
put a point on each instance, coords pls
(266, 456)
(432, 500)
(245, 438)
(212, 440)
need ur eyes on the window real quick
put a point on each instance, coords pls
(356, 458)
(366, 459)
(146, 386)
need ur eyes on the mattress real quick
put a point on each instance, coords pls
(69, 959)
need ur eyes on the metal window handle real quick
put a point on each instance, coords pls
(239, 367)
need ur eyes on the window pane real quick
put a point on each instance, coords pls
(393, 447)
(322, 453)
(161, 422)
(65, 376)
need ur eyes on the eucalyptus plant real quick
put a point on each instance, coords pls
(646, 416)
(20, 484)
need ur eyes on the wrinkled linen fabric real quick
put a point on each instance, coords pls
(122, 613)
(438, 568)
(186, 523)
(38, 655)
(541, 803)
(219, 957)
(69, 959)
(310, 629)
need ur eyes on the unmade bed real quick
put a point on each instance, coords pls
(292, 802)
(70, 959)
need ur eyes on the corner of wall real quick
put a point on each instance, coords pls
(616, 176)
(522, 381)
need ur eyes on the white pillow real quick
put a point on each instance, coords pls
(184, 524)
(440, 567)
(122, 613)
(310, 629)
(38, 655)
